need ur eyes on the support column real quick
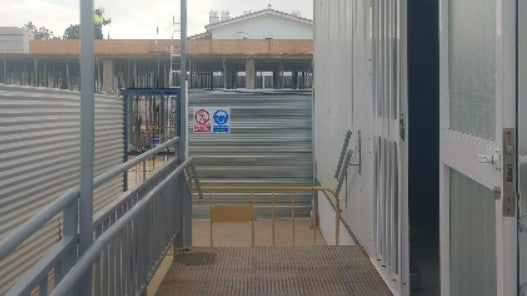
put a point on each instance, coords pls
(281, 75)
(250, 74)
(295, 79)
(4, 77)
(35, 73)
(68, 83)
(107, 75)
(227, 75)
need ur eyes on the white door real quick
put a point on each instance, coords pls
(477, 90)
(390, 229)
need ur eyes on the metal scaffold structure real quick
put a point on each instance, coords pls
(174, 56)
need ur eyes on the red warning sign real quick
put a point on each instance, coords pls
(201, 121)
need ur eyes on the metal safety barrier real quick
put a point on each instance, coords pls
(132, 234)
(245, 212)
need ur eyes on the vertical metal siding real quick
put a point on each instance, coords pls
(269, 144)
(40, 159)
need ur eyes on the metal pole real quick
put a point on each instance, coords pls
(186, 200)
(126, 133)
(87, 72)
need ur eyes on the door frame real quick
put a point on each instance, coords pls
(389, 128)
(466, 147)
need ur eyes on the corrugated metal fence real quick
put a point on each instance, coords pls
(269, 144)
(40, 157)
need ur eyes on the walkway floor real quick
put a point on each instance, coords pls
(262, 271)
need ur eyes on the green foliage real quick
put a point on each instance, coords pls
(39, 33)
(72, 32)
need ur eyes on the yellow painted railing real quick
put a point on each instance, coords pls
(245, 213)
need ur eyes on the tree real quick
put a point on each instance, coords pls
(39, 33)
(72, 32)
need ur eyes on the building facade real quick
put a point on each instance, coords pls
(428, 90)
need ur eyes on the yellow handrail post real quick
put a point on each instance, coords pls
(337, 222)
(272, 217)
(211, 228)
(144, 170)
(313, 221)
(293, 215)
(252, 219)
(136, 174)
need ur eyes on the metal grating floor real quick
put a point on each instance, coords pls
(263, 271)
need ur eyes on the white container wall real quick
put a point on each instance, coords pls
(359, 85)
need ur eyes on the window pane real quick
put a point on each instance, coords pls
(472, 238)
(472, 67)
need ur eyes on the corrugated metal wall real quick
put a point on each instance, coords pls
(40, 159)
(269, 144)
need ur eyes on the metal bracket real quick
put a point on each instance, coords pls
(192, 176)
(508, 172)
(345, 161)
(343, 153)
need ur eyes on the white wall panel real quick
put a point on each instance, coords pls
(343, 101)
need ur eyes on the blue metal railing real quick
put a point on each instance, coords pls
(132, 234)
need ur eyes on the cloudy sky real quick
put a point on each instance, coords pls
(134, 18)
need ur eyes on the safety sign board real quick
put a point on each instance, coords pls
(211, 120)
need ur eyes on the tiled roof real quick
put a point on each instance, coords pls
(259, 13)
(196, 48)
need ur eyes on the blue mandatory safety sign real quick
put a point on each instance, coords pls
(221, 117)
(155, 141)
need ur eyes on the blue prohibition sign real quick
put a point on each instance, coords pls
(221, 117)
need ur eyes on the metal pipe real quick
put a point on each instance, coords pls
(108, 175)
(293, 216)
(144, 170)
(211, 213)
(186, 203)
(39, 271)
(337, 223)
(126, 141)
(268, 189)
(85, 261)
(252, 219)
(19, 235)
(15, 238)
(87, 72)
(313, 220)
(272, 222)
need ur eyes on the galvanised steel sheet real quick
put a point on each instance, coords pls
(270, 143)
(40, 159)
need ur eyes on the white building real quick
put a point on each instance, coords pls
(14, 40)
(263, 24)
(433, 93)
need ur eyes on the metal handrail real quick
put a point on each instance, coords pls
(19, 235)
(291, 189)
(110, 209)
(85, 261)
